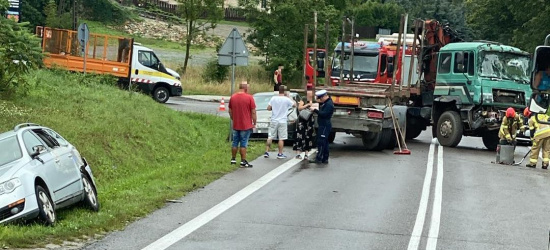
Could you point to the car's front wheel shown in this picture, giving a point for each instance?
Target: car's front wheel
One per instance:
(90, 198)
(46, 209)
(161, 94)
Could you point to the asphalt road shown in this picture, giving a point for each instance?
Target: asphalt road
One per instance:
(435, 198)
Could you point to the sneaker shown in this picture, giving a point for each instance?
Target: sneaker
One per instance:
(299, 157)
(281, 156)
(544, 166)
(266, 155)
(233, 162)
(245, 164)
(531, 165)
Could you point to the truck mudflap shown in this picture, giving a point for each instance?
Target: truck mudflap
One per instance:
(400, 113)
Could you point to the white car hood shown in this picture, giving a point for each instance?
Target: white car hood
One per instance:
(8, 170)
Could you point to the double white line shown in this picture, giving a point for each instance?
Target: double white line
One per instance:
(423, 207)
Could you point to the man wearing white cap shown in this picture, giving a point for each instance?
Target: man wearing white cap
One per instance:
(324, 114)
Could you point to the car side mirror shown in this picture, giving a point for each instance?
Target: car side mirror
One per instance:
(539, 103)
(36, 150)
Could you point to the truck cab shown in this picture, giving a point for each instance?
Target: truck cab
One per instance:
(475, 83)
(152, 76)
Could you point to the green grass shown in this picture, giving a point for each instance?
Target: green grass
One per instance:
(140, 151)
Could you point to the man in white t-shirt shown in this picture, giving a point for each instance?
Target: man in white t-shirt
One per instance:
(278, 128)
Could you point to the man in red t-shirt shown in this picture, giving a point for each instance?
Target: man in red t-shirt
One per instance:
(278, 77)
(242, 110)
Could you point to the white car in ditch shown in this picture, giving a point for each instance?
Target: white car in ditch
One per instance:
(41, 172)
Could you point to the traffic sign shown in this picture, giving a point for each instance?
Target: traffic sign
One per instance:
(83, 34)
(233, 51)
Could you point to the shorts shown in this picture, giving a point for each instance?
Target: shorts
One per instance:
(278, 130)
(241, 137)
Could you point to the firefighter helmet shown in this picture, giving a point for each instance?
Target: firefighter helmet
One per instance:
(526, 112)
(510, 113)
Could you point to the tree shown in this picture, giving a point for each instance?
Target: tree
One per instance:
(199, 16)
(278, 32)
(19, 52)
(378, 15)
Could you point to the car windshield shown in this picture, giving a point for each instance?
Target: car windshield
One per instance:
(505, 66)
(361, 63)
(9, 150)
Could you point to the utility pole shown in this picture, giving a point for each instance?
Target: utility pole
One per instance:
(327, 61)
(352, 37)
(342, 47)
(75, 21)
(304, 80)
(315, 48)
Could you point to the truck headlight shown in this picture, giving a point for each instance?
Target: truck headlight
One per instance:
(8, 186)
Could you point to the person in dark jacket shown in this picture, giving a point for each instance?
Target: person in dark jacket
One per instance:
(324, 114)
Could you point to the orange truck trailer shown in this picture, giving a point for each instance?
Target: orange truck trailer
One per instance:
(121, 57)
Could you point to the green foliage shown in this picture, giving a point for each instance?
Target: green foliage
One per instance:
(215, 72)
(378, 15)
(33, 12)
(519, 23)
(4, 4)
(105, 11)
(19, 52)
(192, 13)
(279, 33)
(54, 20)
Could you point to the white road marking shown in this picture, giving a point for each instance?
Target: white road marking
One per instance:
(422, 208)
(199, 221)
(436, 209)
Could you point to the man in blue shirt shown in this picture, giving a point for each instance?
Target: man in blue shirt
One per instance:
(324, 114)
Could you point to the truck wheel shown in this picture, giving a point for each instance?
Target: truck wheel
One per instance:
(449, 129)
(490, 140)
(393, 140)
(385, 139)
(370, 140)
(331, 137)
(161, 94)
(414, 128)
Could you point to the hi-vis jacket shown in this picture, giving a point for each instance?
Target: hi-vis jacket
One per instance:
(540, 130)
(509, 128)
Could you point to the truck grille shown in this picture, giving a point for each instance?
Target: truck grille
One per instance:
(508, 96)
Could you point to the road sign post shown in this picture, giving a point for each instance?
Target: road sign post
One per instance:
(83, 36)
(233, 52)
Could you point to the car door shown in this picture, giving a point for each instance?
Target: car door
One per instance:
(45, 166)
(68, 175)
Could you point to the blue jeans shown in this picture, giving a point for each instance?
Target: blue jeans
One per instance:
(241, 137)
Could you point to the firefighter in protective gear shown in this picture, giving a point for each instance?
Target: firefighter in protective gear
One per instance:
(511, 123)
(540, 135)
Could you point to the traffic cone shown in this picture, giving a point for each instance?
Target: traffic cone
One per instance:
(222, 105)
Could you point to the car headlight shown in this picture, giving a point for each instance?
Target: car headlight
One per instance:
(8, 186)
(262, 125)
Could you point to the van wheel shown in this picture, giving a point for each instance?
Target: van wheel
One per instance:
(46, 209)
(90, 198)
(449, 129)
(161, 94)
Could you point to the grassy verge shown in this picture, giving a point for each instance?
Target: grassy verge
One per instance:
(194, 84)
(141, 152)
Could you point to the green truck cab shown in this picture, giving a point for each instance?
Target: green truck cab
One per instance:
(476, 82)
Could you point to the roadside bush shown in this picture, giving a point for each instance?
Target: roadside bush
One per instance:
(215, 72)
(19, 53)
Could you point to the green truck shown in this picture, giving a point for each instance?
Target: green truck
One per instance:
(475, 83)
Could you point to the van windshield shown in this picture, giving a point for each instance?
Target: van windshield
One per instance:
(502, 65)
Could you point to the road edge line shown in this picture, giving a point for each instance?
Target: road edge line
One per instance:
(416, 235)
(210, 214)
(436, 209)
